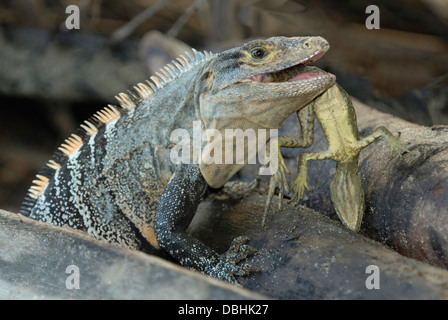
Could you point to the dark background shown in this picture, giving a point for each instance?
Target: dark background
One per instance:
(52, 79)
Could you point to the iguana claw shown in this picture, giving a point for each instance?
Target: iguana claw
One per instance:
(225, 267)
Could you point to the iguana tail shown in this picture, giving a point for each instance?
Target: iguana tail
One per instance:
(347, 194)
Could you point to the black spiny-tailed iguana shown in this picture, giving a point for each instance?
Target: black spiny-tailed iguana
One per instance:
(114, 178)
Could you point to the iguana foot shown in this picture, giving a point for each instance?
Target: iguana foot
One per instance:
(299, 186)
(224, 267)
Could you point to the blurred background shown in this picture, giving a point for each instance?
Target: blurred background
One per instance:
(51, 78)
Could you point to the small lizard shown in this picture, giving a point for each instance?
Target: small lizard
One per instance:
(114, 178)
(337, 117)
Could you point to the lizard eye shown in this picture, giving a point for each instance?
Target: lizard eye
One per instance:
(258, 53)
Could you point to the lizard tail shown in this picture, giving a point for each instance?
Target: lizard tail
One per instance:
(347, 194)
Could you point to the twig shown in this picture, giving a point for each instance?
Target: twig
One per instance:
(123, 32)
(183, 19)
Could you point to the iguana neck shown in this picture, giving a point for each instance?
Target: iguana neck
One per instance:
(175, 106)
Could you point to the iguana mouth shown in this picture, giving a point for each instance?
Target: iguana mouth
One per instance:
(290, 74)
(294, 73)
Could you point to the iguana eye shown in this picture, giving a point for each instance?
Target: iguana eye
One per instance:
(258, 53)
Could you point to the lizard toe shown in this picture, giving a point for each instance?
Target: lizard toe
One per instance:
(238, 250)
(226, 268)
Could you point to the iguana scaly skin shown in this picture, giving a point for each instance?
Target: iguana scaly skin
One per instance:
(337, 117)
(114, 177)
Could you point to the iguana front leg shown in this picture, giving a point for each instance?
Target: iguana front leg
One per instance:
(175, 211)
(306, 120)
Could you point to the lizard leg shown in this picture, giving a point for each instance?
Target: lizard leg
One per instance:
(300, 182)
(393, 141)
(306, 120)
(175, 211)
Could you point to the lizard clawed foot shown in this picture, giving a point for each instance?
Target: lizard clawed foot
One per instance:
(299, 186)
(279, 177)
(396, 145)
(225, 267)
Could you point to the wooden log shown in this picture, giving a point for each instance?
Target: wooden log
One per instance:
(301, 255)
(34, 258)
(305, 255)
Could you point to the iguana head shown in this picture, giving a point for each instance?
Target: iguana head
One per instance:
(263, 81)
(257, 86)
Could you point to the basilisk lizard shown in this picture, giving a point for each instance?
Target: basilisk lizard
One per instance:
(337, 117)
(114, 178)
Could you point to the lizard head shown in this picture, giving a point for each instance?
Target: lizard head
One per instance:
(257, 86)
(265, 81)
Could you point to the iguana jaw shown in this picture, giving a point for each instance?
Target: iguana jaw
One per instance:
(290, 74)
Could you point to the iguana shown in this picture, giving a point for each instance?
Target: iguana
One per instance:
(337, 117)
(114, 178)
